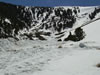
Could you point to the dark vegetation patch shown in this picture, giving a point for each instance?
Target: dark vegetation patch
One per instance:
(98, 65)
(79, 35)
(93, 14)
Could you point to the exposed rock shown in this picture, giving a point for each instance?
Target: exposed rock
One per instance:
(82, 45)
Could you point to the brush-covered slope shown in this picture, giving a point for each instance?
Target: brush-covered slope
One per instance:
(26, 22)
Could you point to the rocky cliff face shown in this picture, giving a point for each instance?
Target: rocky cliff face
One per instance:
(24, 22)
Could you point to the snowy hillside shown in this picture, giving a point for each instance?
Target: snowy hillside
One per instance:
(83, 57)
(24, 22)
(92, 32)
(26, 57)
(71, 46)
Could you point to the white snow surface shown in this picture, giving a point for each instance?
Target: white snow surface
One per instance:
(27, 57)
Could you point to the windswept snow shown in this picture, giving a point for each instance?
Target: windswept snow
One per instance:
(75, 63)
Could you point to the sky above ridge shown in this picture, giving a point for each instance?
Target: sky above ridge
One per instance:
(54, 2)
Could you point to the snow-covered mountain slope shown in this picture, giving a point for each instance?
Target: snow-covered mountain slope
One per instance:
(92, 31)
(24, 22)
(80, 61)
(27, 57)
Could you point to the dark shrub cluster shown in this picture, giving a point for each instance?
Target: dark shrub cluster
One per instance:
(79, 35)
(66, 16)
(13, 13)
(93, 14)
(27, 17)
